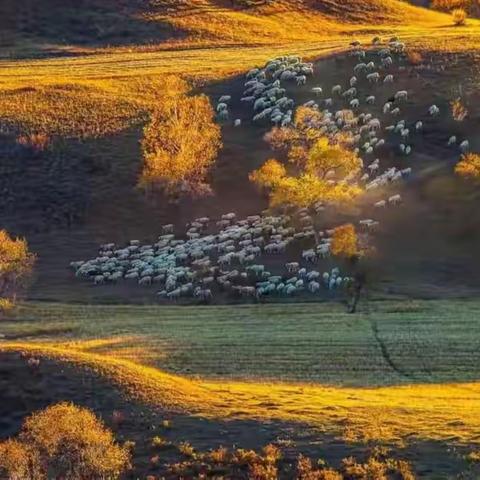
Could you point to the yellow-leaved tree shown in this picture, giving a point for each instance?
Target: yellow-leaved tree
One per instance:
(180, 143)
(321, 165)
(325, 157)
(469, 166)
(16, 265)
(63, 441)
(345, 241)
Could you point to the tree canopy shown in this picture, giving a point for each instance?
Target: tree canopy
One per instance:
(181, 142)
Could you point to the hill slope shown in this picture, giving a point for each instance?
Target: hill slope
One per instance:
(101, 23)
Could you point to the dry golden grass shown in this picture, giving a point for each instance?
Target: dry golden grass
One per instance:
(444, 412)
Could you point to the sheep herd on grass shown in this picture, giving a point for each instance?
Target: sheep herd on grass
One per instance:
(373, 74)
(223, 256)
(246, 257)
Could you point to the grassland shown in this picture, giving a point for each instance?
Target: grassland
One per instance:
(55, 95)
(402, 369)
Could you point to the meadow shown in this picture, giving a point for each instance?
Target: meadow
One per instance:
(402, 372)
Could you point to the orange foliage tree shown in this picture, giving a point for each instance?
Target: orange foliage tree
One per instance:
(180, 143)
(345, 241)
(63, 441)
(469, 166)
(16, 265)
(317, 160)
(298, 138)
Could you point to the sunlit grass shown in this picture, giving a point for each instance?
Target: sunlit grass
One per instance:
(108, 90)
(444, 412)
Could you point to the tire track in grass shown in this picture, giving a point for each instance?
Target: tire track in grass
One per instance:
(384, 350)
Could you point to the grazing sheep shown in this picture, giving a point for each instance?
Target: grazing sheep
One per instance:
(370, 99)
(388, 79)
(452, 140)
(237, 122)
(465, 146)
(224, 99)
(395, 199)
(292, 267)
(373, 77)
(317, 90)
(359, 68)
(433, 110)
(301, 80)
(355, 103)
(380, 204)
(401, 95)
(419, 126)
(337, 90)
(221, 107)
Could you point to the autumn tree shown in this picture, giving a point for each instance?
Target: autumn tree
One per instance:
(16, 265)
(63, 441)
(315, 159)
(180, 143)
(298, 138)
(325, 157)
(345, 241)
(469, 166)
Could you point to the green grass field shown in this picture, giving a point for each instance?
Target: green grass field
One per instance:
(395, 342)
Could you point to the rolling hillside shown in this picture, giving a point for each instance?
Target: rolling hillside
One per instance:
(55, 25)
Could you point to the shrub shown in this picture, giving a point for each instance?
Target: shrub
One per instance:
(180, 143)
(16, 265)
(64, 441)
(38, 142)
(159, 442)
(220, 455)
(186, 449)
(469, 166)
(459, 16)
(459, 111)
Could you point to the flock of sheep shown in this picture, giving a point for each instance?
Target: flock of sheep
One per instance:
(222, 256)
(226, 256)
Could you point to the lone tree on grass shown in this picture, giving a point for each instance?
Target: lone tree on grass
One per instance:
(346, 244)
(16, 265)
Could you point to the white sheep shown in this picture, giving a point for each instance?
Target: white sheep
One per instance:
(373, 77)
(465, 146)
(301, 80)
(224, 99)
(452, 140)
(401, 95)
(337, 90)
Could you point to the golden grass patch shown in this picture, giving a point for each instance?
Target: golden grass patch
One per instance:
(443, 412)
